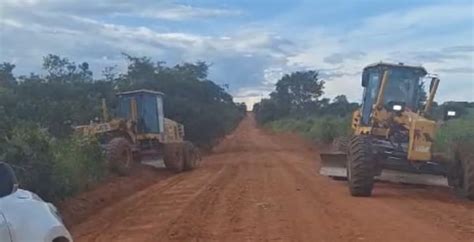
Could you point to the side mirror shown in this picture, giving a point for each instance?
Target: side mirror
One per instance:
(8, 181)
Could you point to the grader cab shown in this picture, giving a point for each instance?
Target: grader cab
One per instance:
(140, 129)
(393, 136)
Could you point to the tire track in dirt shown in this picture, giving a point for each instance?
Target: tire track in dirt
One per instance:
(197, 219)
(410, 211)
(140, 215)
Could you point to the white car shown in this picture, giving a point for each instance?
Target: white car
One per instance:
(24, 216)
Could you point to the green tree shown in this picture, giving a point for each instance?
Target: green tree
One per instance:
(7, 80)
(340, 106)
(61, 70)
(295, 94)
(299, 90)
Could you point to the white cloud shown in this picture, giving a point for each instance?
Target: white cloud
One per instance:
(400, 36)
(155, 9)
(272, 75)
(337, 58)
(186, 12)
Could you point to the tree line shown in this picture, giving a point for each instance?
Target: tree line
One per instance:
(299, 94)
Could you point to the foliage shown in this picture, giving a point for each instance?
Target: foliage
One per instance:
(78, 163)
(6, 76)
(298, 91)
(319, 129)
(455, 132)
(27, 149)
(53, 168)
(298, 95)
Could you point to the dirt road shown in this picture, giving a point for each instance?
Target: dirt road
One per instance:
(265, 187)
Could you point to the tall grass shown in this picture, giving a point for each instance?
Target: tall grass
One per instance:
(450, 135)
(319, 129)
(455, 133)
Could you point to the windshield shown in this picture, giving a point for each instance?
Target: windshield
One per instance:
(402, 87)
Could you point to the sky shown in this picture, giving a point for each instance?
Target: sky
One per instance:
(250, 44)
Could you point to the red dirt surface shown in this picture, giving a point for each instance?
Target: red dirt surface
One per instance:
(78, 208)
(258, 186)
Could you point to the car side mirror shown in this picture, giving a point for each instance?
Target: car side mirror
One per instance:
(8, 180)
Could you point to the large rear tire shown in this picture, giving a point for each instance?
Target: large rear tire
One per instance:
(174, 156)
(360, 166)
(119, 156)
(463, 180)
(191, 158)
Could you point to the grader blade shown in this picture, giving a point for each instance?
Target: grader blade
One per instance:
(412, 178)
(333, 164)
(154, 162)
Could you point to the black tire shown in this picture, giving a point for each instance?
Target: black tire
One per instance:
(174, 156)
(464, 176)
(341, 144)
(119, 156)
(360, 166)
(190, 156)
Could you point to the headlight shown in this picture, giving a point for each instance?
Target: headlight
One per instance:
(451, 113)
(397, 107)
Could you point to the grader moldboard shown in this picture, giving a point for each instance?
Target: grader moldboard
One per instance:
(139, 129)
(393, 137)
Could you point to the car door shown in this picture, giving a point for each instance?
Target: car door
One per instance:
(4, 231)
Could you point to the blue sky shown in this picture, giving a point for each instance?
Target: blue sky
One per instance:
(250, 44)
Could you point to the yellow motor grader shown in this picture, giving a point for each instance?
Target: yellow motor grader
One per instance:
(393, 136)
(139, 129)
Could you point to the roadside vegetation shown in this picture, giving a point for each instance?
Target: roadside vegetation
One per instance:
(319, 129)
(457, 133)
(38, 113)
(297, 105)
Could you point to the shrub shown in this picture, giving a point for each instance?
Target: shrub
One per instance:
(27, 149)
(453, 133)
(78, 163)
(320, 129)
(328, 128)
(52, 168)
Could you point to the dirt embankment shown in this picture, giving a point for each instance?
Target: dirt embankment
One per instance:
(265, 187)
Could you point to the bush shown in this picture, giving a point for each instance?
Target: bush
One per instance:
(328, 128)
(27, 148)
(78, 163)
(455, 132)
(320, 129)
(52, 168)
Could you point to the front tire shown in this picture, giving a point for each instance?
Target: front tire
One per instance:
(119, 156)
(174, 156)
(191, 158)
(360, 166)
